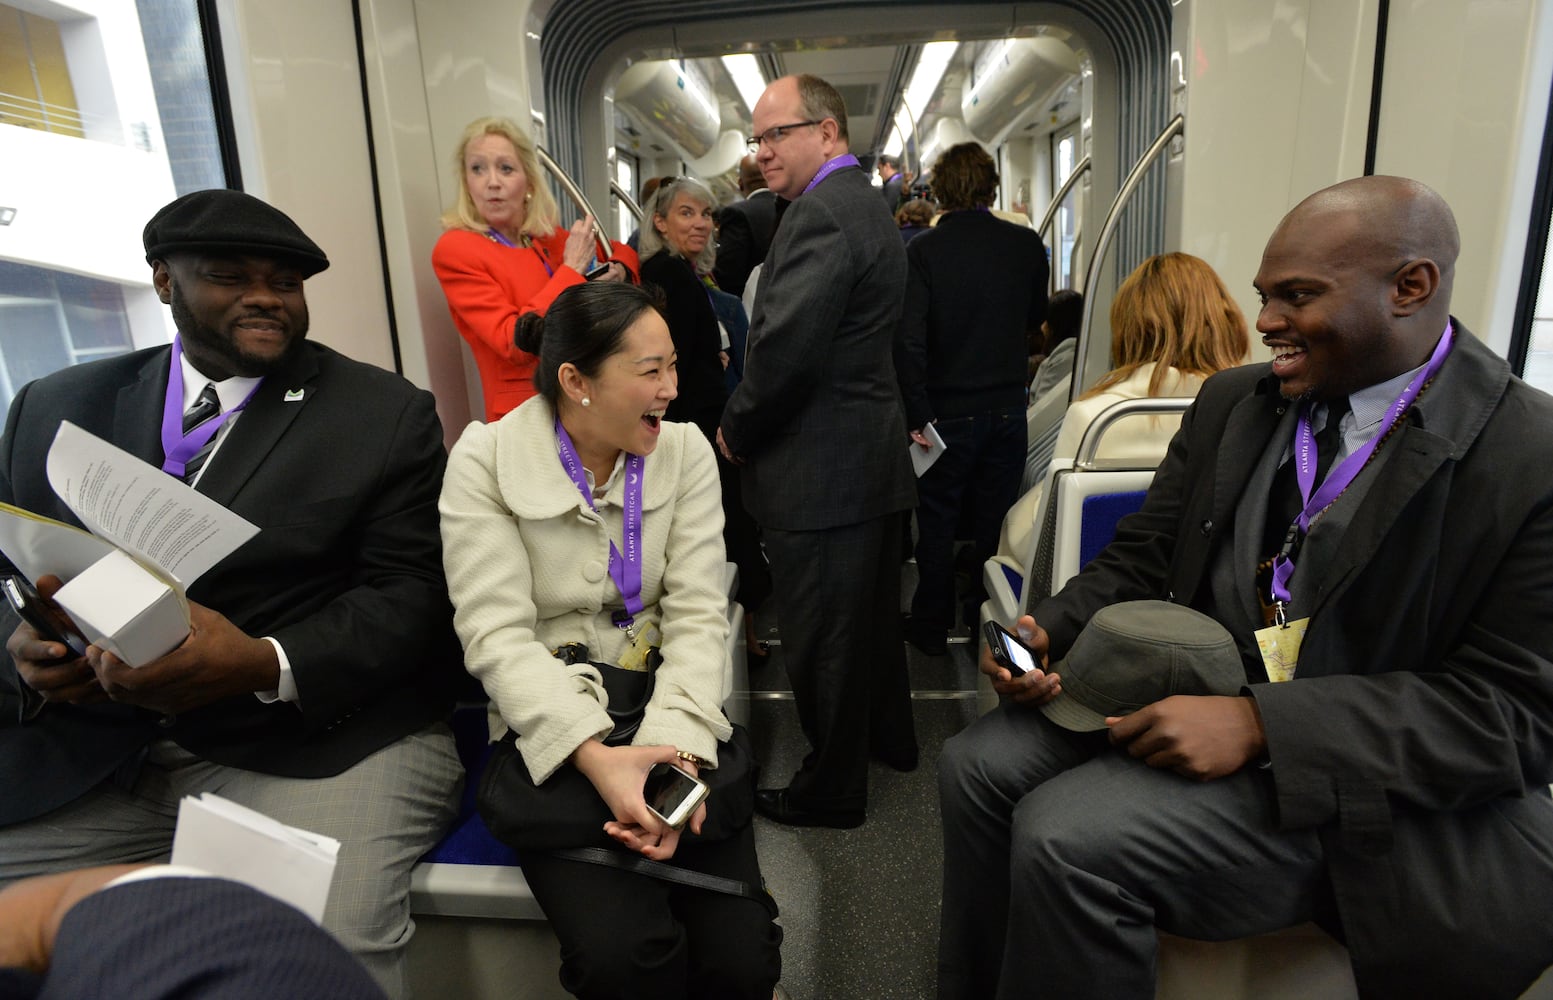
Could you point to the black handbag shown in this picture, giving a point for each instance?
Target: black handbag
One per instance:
(567, 812)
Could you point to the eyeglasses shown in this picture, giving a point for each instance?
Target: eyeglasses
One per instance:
(776, 134)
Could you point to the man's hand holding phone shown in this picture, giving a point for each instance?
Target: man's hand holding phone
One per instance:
(41, 645)
(1015, 661)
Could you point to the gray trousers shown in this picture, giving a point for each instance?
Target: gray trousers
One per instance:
(1062, 856)
(386, 811)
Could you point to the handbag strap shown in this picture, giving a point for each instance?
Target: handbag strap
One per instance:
(668, 873)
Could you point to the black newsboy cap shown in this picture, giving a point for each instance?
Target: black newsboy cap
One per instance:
(230, 222)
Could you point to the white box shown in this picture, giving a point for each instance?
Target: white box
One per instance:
(126, 609)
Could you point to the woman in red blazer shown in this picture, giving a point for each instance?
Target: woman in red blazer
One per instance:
(505, 254)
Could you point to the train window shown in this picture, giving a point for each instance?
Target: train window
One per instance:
(625, 176)
(107, 112)
(1065, 225)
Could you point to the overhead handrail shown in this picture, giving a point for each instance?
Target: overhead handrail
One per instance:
(625, 199)
(1079, 169)
(1120, 410)
(571, 188)
(1176, 127)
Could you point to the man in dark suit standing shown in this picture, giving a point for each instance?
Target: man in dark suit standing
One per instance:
(314, 681)
(819, 424)
(976, 290)
(744, 229)
(890, 173)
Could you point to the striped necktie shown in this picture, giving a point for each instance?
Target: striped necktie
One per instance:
(207, 406)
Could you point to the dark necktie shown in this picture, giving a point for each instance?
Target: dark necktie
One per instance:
(1285, 502)
(207, 406)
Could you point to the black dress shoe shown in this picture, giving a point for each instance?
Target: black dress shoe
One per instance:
(772, 803)
(926, 638)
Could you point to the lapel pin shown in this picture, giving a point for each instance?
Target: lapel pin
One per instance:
(295, 395)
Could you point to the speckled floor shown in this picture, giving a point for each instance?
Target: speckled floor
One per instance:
(860, 907)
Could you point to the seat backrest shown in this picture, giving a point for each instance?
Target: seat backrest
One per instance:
(1083, 503)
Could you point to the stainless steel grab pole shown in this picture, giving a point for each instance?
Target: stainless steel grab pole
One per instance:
(572, 189)
(1079, 169)
(1092, 276)
(625, 199)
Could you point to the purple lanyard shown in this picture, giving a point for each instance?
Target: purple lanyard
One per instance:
(504, 241)
(1340, 478)
(176, 445)
(830, 167)
(625, 570)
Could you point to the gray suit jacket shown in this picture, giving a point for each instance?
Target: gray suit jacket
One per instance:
(818, 417)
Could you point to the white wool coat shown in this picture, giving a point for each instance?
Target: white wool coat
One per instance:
(527, 568)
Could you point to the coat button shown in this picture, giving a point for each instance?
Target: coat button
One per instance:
(593, 572)
(167, 721)
(1206, 528)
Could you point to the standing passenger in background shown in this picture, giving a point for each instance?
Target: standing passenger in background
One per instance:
(745, 229)
(890, 172)
(677, 251)
(915, 218)
(818, 421)
(504, 254)
(975, 290)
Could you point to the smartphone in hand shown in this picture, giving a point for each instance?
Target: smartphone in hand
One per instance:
(32, 609)
(1009, 651)
(673, 794)
(597, 272)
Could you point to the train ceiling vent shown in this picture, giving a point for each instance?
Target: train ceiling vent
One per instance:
(1014, 78)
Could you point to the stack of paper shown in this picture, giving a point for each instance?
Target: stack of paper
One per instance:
(235, 842)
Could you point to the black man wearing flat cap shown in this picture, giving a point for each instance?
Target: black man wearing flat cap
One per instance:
(316, 678)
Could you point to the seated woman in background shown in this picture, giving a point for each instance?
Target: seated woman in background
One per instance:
(677, 254)
(530, 508)
(504, 254)
(1173, 323)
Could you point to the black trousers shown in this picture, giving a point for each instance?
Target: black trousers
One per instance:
(628, 935)
(839, 599)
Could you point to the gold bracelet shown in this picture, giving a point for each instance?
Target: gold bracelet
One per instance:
(687, 755)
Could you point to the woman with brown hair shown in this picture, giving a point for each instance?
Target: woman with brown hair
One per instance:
(1173, 323)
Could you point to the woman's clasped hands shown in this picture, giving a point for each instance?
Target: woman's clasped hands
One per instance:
(618, 774)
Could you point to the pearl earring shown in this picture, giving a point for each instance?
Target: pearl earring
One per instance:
(586, 401)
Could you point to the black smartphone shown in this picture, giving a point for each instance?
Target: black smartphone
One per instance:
(32, 609)
(597, 272)
(673, 794)
(1009, 652)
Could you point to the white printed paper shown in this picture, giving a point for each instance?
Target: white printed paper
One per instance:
(159, 519)
(922, 459)
(235, 842)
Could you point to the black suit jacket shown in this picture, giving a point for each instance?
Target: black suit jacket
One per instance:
(744, 231)
(818, 416)
(1417, 737)
(693, 324)
(976, 286)
(340, 465)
